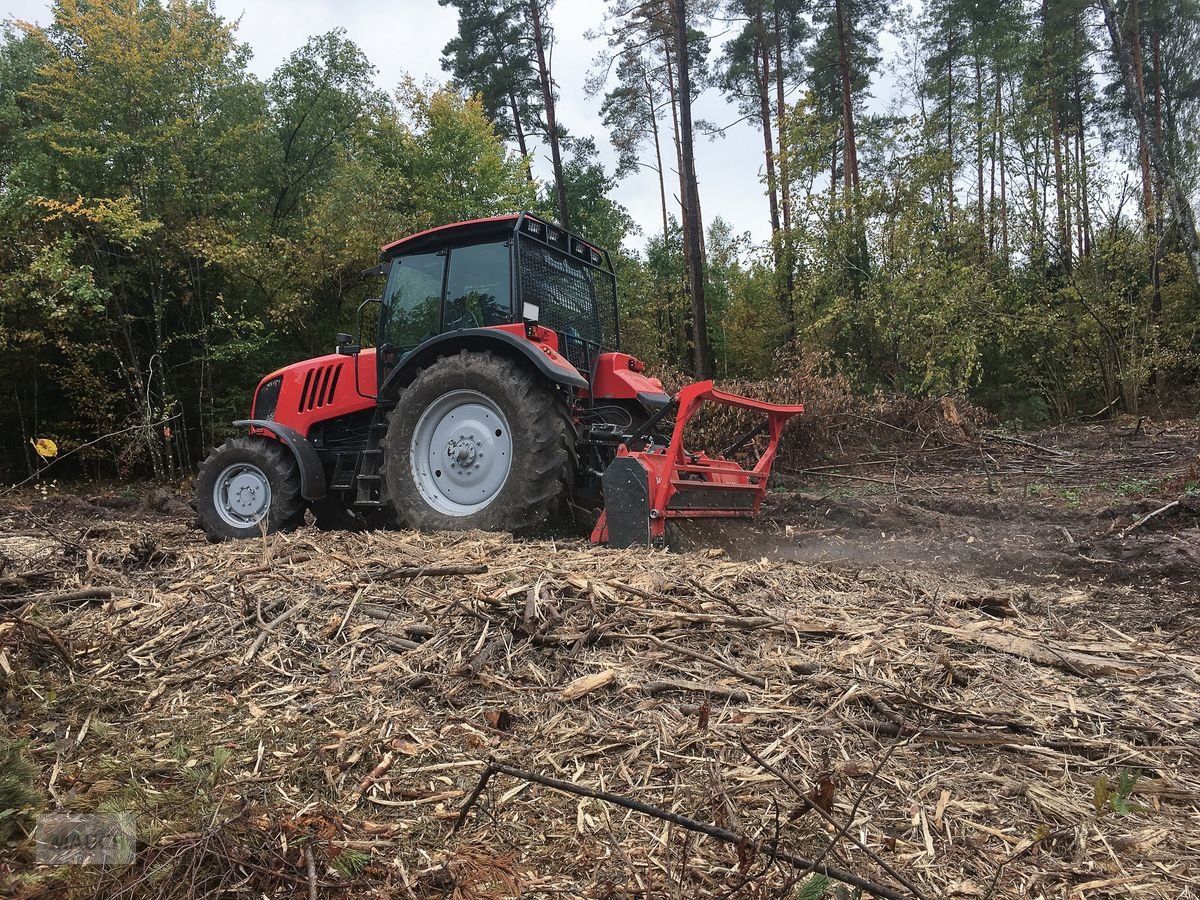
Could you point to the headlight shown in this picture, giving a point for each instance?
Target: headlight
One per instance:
(267, 399)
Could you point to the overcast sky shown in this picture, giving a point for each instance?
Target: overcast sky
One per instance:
(408, 36)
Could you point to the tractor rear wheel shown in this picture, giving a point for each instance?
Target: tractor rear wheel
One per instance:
(246, 483)
(478, 441)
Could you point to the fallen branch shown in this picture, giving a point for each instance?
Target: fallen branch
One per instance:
(844, 831)
(66, 654)
(713, 690)
(19, 580)
(65, 597)
(417, 571)
(1146, 518)
(1013, 440)
(702, 657)
(268, 627)
(586, 684)
(310, 865)
(378, 772)
(713, 831)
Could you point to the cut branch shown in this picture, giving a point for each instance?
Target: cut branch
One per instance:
(713, 831)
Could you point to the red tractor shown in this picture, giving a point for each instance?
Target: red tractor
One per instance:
(496, 391)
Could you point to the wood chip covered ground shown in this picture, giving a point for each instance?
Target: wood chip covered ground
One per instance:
(306, 715)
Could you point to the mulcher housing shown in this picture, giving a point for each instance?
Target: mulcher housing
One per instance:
(540, 305)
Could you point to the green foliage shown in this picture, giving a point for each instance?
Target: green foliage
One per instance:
(351, 863)
(452, 160)
(1135, 487)
(492, 57)
(1116, 798)
(19, 793)
(175, 226)
(162, 252)
(814, 888)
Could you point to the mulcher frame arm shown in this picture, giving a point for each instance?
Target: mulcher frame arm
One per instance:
(644, 488)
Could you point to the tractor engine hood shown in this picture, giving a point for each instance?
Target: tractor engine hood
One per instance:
(317, 389)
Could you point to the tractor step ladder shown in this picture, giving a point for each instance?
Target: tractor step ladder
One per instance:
(368, 483)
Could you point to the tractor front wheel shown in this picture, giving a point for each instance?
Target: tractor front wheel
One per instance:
(245, 484)
(478, 441)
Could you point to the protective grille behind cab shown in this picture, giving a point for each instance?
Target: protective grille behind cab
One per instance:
(577, 301)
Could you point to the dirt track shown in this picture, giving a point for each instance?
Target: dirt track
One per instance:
(996, 631)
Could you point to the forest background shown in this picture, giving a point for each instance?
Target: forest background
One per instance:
(1016, 228)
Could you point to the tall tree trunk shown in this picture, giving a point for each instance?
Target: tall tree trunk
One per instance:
(658, 160)
(1003, 175)
(785, 187)
(762, 81)
(979, 122)
(950, 131)
(1143, 149)
(693, 228)
(1064, 238)
(547, 80)
(1156, 302)
(1085, 213)
(673, 90)
(685, 356)
(1177, 199)
(850, 144)
(1038, 200)
(991, 204)
(518, 125)
(673, 95)
(833, 173)
(666, 221)
(520, 129)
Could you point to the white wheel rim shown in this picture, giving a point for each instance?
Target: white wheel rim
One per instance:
(242, 495)
(461, 453)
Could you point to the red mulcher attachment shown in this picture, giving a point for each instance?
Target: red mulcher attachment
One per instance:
(644, 488)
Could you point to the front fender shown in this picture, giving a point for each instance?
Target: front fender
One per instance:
(543, 357)
(312, 473)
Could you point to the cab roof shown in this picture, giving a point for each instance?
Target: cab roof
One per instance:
(444, 235)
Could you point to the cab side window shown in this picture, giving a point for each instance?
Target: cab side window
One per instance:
(479, 287)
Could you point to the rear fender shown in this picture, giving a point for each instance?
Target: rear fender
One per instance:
(504, 339)
(312, 473)
(620, 376)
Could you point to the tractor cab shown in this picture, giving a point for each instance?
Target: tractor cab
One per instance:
(490, 273)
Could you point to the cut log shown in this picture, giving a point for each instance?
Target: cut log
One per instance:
(1071, 661)
(587, 684)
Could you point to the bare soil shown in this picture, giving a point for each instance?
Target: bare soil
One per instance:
(982, 659)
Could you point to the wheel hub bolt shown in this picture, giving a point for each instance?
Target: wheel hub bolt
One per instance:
(462, 452)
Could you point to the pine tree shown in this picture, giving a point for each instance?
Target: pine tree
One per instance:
(492, 55)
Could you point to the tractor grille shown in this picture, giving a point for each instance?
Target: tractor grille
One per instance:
(576, 300)
(320, 387)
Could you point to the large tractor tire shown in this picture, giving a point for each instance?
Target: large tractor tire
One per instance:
(245, 484)
(478, 441)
